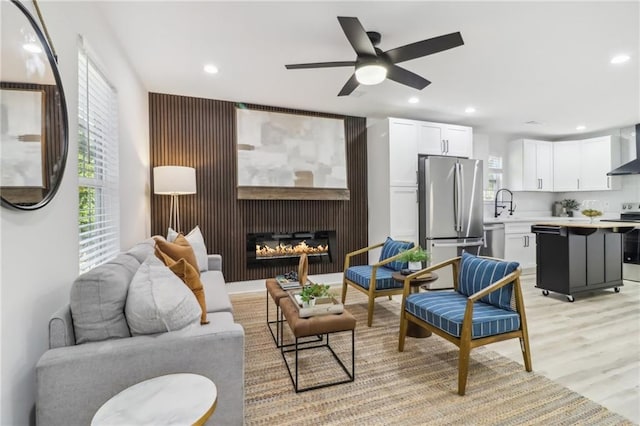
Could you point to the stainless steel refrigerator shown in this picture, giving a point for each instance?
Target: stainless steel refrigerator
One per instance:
(450, 210)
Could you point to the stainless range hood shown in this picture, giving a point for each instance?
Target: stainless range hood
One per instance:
(633, 166)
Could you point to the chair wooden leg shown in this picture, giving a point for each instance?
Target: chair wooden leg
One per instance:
(344, 291)
(390, 297)
(404, 323)
(463, 366)
(370, 310)
(526, 352)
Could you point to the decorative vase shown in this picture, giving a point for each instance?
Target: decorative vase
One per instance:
(415, 266)
(310, 303)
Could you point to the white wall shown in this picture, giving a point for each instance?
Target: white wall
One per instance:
(39, 250)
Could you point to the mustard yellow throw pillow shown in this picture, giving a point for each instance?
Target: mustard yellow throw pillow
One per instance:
(179, 249)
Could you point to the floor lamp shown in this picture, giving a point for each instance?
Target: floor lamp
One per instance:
(174, 181)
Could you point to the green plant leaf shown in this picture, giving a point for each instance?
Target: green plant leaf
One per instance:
(417, 255)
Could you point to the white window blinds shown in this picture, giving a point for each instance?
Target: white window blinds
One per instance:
(98, 196)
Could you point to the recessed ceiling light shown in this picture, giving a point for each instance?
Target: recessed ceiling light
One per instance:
(32, 48)
(413, 100)
(581, 127)
(211, 69)
(620, 59)
(469, 110)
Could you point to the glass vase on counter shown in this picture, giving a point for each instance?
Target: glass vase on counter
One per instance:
(592, 209)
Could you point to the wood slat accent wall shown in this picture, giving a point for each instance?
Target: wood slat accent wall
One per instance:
(201, 133)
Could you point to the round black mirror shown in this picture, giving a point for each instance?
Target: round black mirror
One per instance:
(33, 113)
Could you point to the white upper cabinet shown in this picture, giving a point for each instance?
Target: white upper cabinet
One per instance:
(566, 165)
(458, 141)
(445, 139)
(430, 139)
(403, 153)
(530, 165)
(583, 165)
(595, 156)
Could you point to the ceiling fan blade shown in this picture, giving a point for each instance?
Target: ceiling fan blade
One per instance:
(349, 86)
(403, 76)
(357, 36)
(321, 65)
(425, 47)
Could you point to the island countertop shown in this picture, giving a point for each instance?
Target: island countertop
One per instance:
(594, 225)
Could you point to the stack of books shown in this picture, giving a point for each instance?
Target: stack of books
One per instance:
(287, 284)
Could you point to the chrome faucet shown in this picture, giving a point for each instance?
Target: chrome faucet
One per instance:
(512, 208)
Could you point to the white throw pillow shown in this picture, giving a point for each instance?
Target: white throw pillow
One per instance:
(158, 301)
(196, 240)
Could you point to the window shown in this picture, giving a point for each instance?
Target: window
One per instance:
(98, 197)
(494, 177)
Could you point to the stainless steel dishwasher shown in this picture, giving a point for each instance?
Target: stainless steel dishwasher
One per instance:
(493, 240)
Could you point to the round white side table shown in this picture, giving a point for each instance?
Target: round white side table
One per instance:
(174, 399)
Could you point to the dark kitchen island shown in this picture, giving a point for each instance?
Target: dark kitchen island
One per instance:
(574, 257)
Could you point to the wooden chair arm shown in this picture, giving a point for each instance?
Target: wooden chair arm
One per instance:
(468, 312)
(347, 258)
(508, 279)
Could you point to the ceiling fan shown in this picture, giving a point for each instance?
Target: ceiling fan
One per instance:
(372, 65)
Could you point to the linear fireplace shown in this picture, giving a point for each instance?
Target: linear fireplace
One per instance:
(285, 248)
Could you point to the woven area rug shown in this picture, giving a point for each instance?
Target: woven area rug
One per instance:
(415, 387)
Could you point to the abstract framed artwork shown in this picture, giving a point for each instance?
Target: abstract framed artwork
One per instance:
(22, 138)
(290, 156)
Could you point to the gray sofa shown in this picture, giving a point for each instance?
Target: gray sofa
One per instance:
(74, 380)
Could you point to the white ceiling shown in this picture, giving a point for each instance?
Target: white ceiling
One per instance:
(522, 61)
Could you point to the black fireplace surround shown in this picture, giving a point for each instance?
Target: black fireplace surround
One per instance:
(285, 248)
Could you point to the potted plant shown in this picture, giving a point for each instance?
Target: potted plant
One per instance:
(415, 258)
(570, 205)
(311, 292)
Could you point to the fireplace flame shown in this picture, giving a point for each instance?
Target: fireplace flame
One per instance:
(289, 250)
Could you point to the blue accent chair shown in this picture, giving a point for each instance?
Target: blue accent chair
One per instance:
(380, 273)
(485, 306)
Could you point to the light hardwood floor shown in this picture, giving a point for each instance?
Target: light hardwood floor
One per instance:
(591, 346)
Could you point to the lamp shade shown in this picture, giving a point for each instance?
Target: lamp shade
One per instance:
(174, 180)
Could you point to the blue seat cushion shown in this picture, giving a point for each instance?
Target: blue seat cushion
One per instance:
(477, 273)
(392, 247)
(361, 275)
(445, 310)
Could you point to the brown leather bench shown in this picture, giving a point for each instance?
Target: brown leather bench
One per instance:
(321, 326)
(275, 292)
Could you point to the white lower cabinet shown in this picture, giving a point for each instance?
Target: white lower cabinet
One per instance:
(403, 221)
(520, 244)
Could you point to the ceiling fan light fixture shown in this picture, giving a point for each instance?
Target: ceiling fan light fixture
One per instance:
(370, 74)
